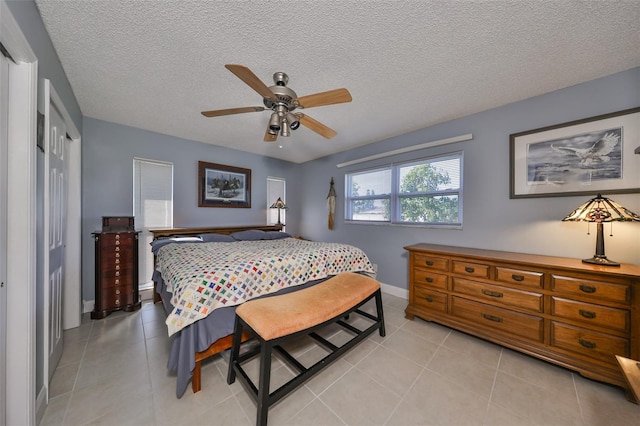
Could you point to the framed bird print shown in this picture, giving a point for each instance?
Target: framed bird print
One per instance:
(589, 156)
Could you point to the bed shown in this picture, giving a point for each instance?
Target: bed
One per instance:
(202, 274)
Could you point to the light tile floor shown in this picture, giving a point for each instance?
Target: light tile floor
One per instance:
(113, 372)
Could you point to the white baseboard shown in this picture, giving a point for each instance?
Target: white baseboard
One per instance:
(394, 291)
(41, 404)
(88, 305)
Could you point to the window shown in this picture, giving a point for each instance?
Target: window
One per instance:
(422, 192)
(275, 188)
(152, 208)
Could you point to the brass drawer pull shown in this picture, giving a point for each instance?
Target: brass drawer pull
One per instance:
(587, 314)
(492, 318)
(429, 299)
(469, 269)
(429, 279)
(587, 344)
(517, 277)
(491, 293)
(587, 288)
(429, 262)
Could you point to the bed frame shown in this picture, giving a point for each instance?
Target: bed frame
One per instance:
(226, 342)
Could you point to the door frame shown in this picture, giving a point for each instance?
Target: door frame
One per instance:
(21, 220)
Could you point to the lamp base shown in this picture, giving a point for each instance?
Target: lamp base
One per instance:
(600, 260)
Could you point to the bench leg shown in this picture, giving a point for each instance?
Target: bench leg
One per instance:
(263, 385)
(380, 314)
(235, 350)
(196, 383)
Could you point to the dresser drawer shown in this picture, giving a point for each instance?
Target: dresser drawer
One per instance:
(519, 277)
(471, 269)
(598, 289)
(587, 342)
(116, 298)
(427, 278)
(588, 313)
(521, 325)
(430, 299)
(431, 262)
(502, 295)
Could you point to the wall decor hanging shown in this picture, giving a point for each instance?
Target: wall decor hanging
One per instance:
(223, 186)
(331, 204)
(584, 156)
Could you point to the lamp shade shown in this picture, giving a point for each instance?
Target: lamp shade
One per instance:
(601, 209)
(279, 204)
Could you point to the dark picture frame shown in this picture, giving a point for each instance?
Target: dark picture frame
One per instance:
(223, 186)
(589, 156)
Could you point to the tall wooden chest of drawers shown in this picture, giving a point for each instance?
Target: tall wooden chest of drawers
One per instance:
(116, 272)
(570, 313)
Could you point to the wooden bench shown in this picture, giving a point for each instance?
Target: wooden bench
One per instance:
(278, 319)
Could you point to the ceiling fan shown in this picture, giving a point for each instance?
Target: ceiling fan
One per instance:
(283, 101)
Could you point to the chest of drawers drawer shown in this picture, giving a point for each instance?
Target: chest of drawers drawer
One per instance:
(114, 298)
(431, 262)
(470, 269)
(588, 288)
(503, 320)
(591, 343)
(430, 299)
(519, 277)
(502, 295)
(590, 314)
(427, 278)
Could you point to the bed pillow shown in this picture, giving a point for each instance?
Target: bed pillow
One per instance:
(277, 235)
(156, 244)
(217, 238)
(250, 235)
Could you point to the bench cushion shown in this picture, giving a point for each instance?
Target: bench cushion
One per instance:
(279, 316)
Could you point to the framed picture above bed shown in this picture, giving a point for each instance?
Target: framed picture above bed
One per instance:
(588, 156)
(223, 186)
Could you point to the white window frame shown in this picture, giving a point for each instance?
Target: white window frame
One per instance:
(394, 197)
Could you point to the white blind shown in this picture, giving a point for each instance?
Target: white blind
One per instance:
(153, 207)
(275, 189)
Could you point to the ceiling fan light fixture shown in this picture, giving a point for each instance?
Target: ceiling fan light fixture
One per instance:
(274, 123)
(285, 129)
(293, 121)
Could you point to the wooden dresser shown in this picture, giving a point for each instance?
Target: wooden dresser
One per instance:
(116, 271)
(561, 310)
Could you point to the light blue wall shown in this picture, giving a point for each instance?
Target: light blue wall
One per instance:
(491, 219)
(108, 151)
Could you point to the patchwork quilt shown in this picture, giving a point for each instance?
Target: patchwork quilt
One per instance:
(205, 276)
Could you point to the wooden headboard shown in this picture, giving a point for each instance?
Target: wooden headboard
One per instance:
(226, 230)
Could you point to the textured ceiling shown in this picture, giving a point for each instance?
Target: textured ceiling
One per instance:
(408, 64)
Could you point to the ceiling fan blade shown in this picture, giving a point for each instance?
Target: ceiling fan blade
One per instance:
(331, 97)
(268, 137)
(316, 126)
(230, 111)
(246, 75)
